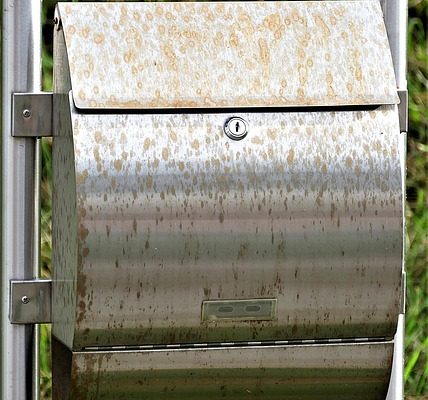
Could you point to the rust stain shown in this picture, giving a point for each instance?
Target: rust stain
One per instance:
(264, 51)
(165, 153)
(81, 178)
(99, 38)
(147, 143)
(118, 165)
(195, 144)
(290, 157)
(324, 27)
(255, 33)
(83, 232)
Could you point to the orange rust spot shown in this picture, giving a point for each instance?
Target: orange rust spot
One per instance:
(256, 140)
(71, 30)
(85, 32)
(349, 161)
(82, 95)
(147, 143)
(173, 136)
(82, 311)
(81, 178)
(98, 38)
(329, 80)
(264, 51)
(233, 40)
(290, 157)
(272, 134)
(358, 73)
(96, 154)
(272, 22)
(118, 165)
(320, 22)
(149, 182)
(165, 153)
(161, 29)
(195, 144)
(83, 232)
(129, 56)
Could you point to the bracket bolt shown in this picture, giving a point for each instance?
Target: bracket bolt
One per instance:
(25, 299)
(26, 113)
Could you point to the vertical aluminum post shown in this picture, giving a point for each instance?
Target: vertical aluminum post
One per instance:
(21, 72)
(396, 15)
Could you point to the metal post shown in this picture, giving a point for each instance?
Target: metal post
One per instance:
(21, 72)
(395, 14)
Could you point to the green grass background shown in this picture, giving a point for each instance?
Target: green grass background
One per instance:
(416, 342)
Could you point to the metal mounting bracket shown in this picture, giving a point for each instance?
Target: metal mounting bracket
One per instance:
(32, 114)
(403, 110)
(30, 301)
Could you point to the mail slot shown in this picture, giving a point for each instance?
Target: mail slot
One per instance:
(228, 202)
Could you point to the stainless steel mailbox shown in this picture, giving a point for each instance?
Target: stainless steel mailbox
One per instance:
(190, 264)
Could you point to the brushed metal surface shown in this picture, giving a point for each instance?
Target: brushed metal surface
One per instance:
(37, 121)
(30, 301)
(171, 212)
(20, 72)
(357, 372)
(155, 214)
(228, 54)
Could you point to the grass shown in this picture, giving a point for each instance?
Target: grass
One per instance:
(416, 341)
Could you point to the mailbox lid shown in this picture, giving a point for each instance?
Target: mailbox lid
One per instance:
(228, 54)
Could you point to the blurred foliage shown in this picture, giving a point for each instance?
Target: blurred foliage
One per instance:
(416, 342)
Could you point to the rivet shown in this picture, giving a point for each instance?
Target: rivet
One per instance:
(26, 113)
(25, 299)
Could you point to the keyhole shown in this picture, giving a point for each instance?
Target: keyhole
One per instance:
(236, 128)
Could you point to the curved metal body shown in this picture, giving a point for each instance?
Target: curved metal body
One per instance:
(171, 213)
(272, 372)
(169, 234)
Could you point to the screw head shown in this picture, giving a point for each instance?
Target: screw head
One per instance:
(26, 113)
(25, 299)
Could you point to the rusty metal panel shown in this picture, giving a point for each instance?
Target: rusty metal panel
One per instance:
(306, 209)
(231, 54)
(299, 372)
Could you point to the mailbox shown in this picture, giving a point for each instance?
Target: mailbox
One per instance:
(228, 201)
